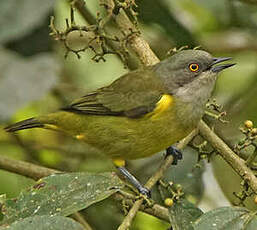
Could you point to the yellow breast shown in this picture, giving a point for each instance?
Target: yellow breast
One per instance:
(162, 105)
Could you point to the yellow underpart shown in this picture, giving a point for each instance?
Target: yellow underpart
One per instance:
(80, 136)
(52, 127)
(161, 106)
(118, 162)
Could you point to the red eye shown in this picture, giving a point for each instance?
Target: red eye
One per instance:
(194, 67)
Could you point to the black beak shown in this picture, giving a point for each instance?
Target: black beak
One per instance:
(219, 68)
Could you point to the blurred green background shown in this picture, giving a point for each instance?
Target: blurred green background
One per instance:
(35, 79)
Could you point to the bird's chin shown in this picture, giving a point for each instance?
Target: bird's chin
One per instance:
(209, 74)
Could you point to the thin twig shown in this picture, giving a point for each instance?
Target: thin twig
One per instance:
(24, 168)
(229, 156)
(91, 20)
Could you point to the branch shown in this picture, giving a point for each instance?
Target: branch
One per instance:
(229, 156)
(26, 169)
(136, 42)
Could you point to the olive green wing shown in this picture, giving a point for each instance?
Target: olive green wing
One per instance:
(132, 95)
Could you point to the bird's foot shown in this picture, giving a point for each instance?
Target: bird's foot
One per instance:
(145, 194)
(176, 153)
(140, 190)
(144, 191)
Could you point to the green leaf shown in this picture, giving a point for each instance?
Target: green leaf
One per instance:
(61, 194)
(19, 17)
(182, 214)
(24, 80)
(44, 223)
(227, 218)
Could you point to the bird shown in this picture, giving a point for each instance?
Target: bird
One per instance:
(143, 112)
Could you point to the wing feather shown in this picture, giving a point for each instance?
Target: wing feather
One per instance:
(133, 95)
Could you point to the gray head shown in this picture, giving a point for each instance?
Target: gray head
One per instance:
(188, 66)
(190, 76)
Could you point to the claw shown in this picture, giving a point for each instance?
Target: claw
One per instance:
(176, 153)
(146, 198)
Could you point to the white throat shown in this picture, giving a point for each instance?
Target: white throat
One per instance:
(192, 98)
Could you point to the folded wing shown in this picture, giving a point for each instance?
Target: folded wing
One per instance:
(133, 95)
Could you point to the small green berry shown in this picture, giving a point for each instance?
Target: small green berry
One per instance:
(248, 124)
(168, 202)
(254, 131)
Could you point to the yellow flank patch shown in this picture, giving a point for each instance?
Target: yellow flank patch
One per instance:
(50, 126)
(80, 136)
(118, 162)
(162, 105)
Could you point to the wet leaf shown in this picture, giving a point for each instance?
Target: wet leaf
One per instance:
(24, 80)
(227, 218)
(183, 214)
(44, 223)
(61, 194)
(19, 17)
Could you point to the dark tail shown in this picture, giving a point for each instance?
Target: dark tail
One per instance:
(25, 124)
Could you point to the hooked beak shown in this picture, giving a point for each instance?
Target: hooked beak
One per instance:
(219, 68)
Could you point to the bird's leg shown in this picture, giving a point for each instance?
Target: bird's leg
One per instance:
(135, 182)
(120, 164)
(176, 153)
